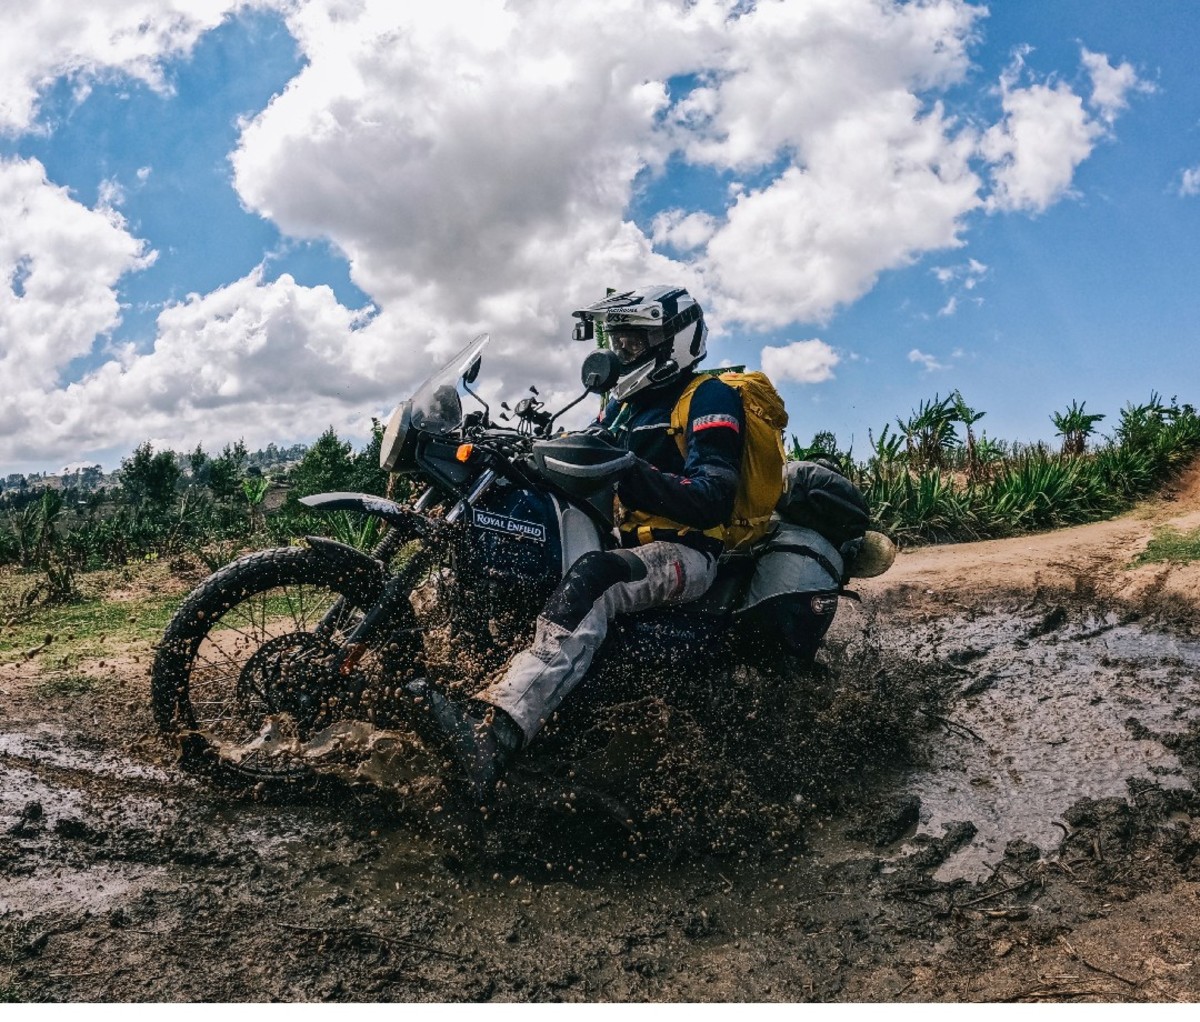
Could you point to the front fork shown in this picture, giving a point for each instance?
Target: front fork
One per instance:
(390, 604)
(397, 588)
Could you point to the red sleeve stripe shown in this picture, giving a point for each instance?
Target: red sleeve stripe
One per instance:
(715, 422)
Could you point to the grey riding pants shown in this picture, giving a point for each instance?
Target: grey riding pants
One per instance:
(574, 622)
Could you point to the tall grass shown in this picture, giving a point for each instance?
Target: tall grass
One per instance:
(975, 488)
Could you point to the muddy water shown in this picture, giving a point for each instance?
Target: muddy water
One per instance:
(1046, 710)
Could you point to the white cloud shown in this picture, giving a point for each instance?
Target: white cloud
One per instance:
(929, 362)
(802, 361)
(877, 176)
(263, 360)
(683, 231)
(477, 163)
(1189, 183)
(60, 263)
(1034, 150)
(1046, 132)
(1111, 85)
(950, 308)
(44, 40)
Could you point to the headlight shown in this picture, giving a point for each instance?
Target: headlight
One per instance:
(394, 436)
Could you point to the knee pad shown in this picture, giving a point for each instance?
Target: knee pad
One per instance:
(586, 581)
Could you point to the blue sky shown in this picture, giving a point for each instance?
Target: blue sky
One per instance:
(226, 220)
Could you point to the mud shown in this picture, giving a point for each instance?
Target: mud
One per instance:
(990, 799)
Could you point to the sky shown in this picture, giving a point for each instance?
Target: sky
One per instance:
(253, 220)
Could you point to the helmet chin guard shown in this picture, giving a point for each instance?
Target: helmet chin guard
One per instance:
(674, 326)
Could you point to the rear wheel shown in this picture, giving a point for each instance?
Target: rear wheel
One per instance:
(254, 661)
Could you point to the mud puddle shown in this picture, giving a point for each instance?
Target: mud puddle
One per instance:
(1045, 709)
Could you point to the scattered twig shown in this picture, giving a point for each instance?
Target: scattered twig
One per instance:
(351, 931)
(1095, 968)
(953, 725)
(1047, 993)
(996, 894)
(1105, 972)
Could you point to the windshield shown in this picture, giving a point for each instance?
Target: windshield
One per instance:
(435, 407)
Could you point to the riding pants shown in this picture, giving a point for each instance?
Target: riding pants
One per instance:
(574, 622)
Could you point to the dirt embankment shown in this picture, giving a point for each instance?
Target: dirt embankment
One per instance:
(1085, 563)
(998, 853)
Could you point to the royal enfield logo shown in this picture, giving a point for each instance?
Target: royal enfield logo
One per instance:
(509, 526)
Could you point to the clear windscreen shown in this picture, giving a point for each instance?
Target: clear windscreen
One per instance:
(435, 406)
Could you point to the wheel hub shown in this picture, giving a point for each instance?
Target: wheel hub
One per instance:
(294, 674)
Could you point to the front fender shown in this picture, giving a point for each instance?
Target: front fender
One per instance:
(364, 575)
(408, 523)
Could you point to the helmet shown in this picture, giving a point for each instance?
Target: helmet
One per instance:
(658, 332)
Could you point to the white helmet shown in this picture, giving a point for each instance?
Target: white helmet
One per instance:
(658, 332)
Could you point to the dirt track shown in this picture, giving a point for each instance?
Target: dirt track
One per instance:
(1000, 855)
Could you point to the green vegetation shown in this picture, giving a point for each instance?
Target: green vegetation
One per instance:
(210, 507)
(66, 684)
(1171, 545)
(88, 628)
(930, 477)
(934, 480)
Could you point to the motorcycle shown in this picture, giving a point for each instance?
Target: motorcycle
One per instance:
(281, 645)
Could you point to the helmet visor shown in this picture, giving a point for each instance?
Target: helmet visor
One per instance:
(632, 345)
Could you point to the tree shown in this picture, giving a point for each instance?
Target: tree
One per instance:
(929, 433)
(225, 471)
(968, 417)
(198, 462)
(148, 480)
(1075, 426)
(327, 467)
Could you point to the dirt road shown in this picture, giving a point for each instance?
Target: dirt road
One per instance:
(1006, 809)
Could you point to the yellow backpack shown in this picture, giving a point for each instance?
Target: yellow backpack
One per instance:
(761, 483)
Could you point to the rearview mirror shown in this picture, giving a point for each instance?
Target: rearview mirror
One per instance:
(601, 370)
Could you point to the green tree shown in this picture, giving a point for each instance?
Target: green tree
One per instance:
(226, 470)
(148, 480)
(968, 417)
(327, 467)
(1075, 426)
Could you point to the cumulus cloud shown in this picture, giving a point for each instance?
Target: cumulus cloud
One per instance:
(802, 361)
(1111, 85)
(876, 176)
(683, 231)
(1189, 183)
(44, 40)
(477, 163)
(928, 362)
(273, 357)
(1046, 132)
(59, 263)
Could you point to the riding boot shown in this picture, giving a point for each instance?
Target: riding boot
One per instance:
(483, 739)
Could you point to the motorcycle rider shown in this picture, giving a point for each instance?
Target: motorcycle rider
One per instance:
(671, 536)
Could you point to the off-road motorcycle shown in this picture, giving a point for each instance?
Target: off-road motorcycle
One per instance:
(280, 645)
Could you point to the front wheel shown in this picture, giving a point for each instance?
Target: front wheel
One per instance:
(253, 663)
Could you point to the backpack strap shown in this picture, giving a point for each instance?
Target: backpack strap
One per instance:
(807, 551)
(681, 414)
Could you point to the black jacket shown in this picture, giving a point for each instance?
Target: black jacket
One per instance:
(697, 491)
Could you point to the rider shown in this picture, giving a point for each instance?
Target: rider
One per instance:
(671, 536)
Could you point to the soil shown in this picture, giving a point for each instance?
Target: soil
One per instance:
(986, 791)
